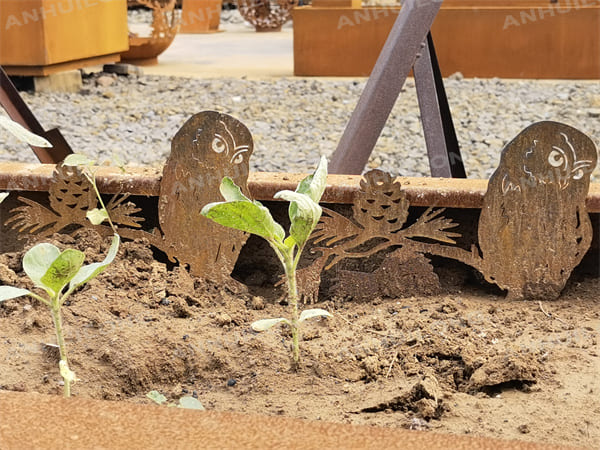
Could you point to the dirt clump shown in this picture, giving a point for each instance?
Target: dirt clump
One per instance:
(463, 360)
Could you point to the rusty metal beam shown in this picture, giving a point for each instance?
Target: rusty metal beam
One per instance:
(440, 136)
(442, 192)
(18, 111)
(401, 49)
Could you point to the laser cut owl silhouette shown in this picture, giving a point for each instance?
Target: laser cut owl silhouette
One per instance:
(209, 146)
(534, 228)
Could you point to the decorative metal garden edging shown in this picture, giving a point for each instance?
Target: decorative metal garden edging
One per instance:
(533, 230)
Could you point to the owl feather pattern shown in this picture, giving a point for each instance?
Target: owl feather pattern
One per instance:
(534, 228)
(207, 148)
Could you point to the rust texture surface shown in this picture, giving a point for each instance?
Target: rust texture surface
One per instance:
(207, 148)
(447, 193)
(87, 423)
(534, 226)
(266, 15)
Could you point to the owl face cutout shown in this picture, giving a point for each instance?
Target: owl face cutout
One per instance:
(224, 143)
(547, 153)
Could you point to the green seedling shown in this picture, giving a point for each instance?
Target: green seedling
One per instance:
(243, 214)
(187, 402)
(58, 274)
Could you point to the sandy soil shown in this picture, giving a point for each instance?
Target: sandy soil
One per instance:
(464, 361)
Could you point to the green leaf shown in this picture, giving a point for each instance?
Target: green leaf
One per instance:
(190, 403)
(304, 216)
(96, 216)
(231, 191)
(310, 313)
(23, 134)
(156, 397)
(3, 196)
(251, 217)
(63, 269)
(77, 159)
(86, 273)
(314, 185)
(265, 324)
(38, 260)
(8, 292)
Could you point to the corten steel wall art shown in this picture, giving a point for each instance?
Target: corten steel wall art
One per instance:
(533, 228)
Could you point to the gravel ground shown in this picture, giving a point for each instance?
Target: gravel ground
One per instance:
(293, 121)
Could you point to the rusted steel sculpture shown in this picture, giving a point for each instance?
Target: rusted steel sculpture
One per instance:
(533, 229)
(266, 15)
(165, 24)
(378, 224)
(208, 147)
(70, 197)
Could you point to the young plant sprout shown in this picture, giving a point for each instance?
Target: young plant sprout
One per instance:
(187, 402)
(243, 214)
(58, 274)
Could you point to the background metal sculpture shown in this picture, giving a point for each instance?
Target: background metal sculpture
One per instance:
(266, 15)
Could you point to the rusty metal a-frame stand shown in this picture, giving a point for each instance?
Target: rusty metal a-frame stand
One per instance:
(409, 45)
(18, 111)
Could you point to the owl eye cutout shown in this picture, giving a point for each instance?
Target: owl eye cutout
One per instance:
(218, 144)
(556, 158)
(578, 174)
(238, 157)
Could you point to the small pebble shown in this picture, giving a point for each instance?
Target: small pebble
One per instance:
(231, 382)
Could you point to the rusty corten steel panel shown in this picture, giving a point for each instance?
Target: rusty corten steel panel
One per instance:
(533, 230)
(443, 192)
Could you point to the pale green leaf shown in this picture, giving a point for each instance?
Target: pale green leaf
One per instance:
(310, 313)
(3, 196)
(38, 260)
(77, 159)
(265, 324)
(314, 185)
(89, 271)
(23, 134)
(8, 292)
(156, 397)
(62, 270)
(67, 374)
(304, 217)
(231, 192)
(96, 216)
(251, 217)
(190, 403)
